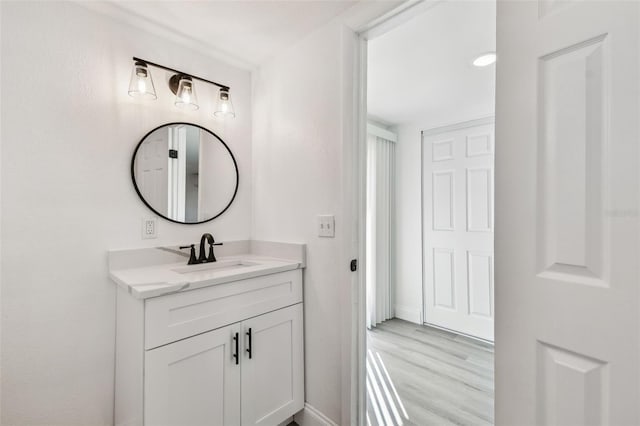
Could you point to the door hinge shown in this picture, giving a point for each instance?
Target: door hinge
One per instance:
(354, 265)
(173, 153)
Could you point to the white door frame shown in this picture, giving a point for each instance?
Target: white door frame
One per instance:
(374, 28)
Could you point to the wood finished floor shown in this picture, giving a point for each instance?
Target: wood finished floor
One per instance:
(419, 375)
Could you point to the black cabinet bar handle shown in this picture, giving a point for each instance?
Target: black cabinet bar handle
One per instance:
(249, 348)
(235, 355)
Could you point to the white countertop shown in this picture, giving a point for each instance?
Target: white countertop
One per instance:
(160, 279)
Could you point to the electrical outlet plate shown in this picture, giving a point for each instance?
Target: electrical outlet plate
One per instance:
(149, 228)
(326, 226)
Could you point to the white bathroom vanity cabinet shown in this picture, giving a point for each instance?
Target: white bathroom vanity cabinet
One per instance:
(210, 344)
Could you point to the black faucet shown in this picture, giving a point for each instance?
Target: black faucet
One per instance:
(202, 258)
(212, 257)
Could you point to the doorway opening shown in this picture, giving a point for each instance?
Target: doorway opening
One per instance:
(429, 216)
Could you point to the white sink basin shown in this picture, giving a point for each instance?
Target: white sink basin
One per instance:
(223, 265)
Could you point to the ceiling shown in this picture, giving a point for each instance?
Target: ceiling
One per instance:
(249, 31)
(421, 72)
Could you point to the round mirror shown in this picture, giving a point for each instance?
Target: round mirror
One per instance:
(184, 173)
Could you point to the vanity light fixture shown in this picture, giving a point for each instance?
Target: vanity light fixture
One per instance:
(186, 93)
(141, 84)
(485, 59)
(224, 106)
(181, 84)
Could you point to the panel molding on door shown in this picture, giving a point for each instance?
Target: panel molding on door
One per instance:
(584, 380)
(479, 200)
(444, 278)
(572, 241)
(442, 150)
(480, 282)
(443, 192)
(479, 144)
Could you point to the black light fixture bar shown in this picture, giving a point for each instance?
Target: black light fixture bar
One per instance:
(222, 86)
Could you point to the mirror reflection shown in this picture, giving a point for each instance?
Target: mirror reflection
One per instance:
(184, 173)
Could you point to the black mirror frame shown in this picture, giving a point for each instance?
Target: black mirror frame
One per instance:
(135, 185)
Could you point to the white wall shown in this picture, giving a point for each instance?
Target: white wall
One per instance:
(298, 174)
(303, 152)
(68, 131)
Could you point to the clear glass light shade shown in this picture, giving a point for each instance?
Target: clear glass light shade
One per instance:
(224, 108)
(141, 84)
(186, 95)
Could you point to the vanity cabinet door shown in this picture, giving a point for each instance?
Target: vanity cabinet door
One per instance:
(272, 367)
(195, 381)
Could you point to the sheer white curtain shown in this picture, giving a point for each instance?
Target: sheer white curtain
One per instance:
(380, 229)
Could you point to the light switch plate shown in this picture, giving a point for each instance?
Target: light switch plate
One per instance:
(326, 226)
(149, 228)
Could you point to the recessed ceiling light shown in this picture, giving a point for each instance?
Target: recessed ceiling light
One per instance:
(485, 59)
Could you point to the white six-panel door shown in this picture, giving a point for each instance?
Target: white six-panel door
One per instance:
(567, 162)
(457, 172)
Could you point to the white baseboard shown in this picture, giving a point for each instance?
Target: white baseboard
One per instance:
(408, 313)
(309, 416)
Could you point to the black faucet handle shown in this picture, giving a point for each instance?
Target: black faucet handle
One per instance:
(192, 257)
(212, 256)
